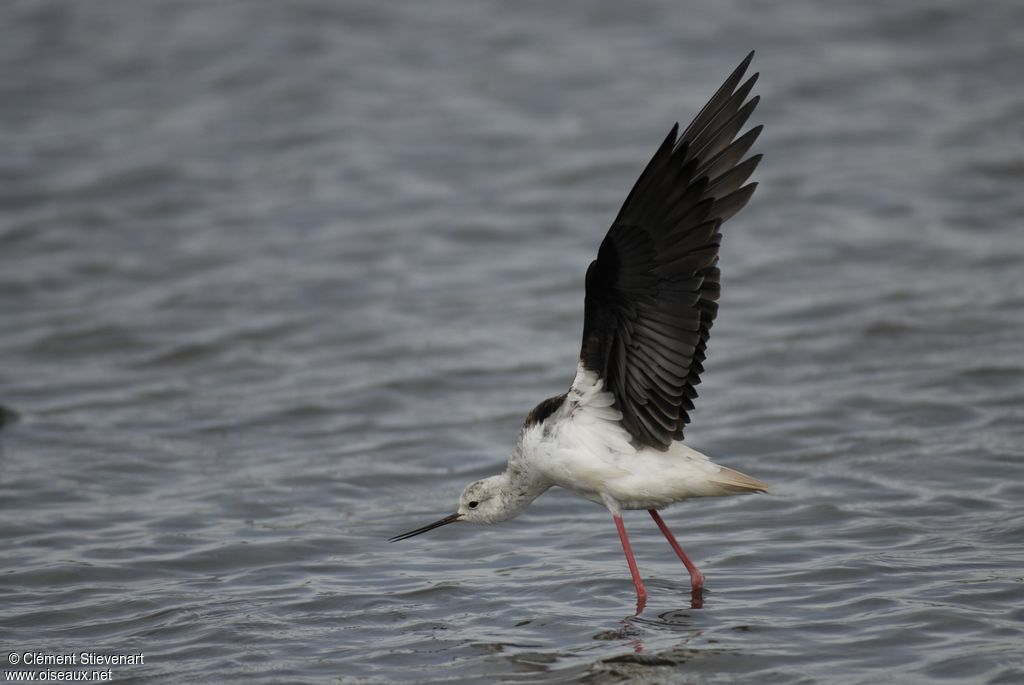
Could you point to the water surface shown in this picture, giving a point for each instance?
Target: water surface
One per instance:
(278, 279)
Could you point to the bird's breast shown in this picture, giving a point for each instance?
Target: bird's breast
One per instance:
(596, 460)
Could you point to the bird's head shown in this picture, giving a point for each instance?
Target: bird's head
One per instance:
(486, 501)
(490, 500)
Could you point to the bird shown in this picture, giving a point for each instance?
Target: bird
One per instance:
(615, 437)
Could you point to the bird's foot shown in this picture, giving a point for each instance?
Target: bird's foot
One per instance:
(641, 603)
(697, 597)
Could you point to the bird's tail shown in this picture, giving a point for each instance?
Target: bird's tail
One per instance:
(738, 483)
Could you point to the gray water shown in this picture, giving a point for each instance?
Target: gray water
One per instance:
(278, 279)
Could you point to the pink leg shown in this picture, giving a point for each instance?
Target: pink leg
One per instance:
(696, 577)
(641, 593)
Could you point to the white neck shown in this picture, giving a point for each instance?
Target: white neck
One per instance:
(516, 488)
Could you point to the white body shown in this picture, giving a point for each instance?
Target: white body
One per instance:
(583, 447)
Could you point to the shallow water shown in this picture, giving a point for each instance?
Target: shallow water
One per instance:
(277, 280)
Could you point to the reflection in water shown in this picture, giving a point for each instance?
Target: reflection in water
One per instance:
(680, 624)
(677, 619)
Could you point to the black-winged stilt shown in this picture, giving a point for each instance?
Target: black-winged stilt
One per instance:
(615, 437)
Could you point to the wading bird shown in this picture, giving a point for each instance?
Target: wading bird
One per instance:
(615, 437)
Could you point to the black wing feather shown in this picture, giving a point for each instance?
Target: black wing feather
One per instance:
(652, 291)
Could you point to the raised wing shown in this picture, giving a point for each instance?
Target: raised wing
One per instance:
(652, 291)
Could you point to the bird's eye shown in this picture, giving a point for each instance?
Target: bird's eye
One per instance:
(474, 504)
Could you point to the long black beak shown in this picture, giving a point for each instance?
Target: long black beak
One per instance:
(436, 524)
